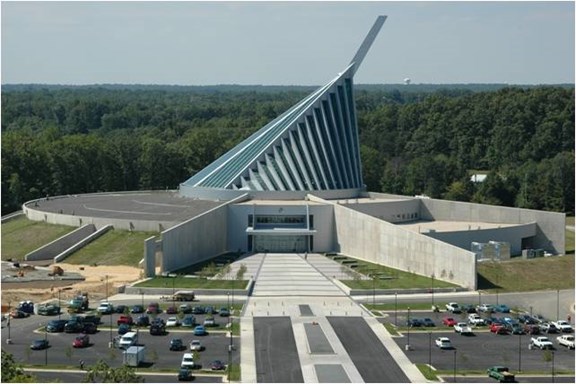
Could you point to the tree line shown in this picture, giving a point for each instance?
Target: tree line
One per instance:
(67, 140)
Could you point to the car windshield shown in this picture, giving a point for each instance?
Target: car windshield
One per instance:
(188, 359)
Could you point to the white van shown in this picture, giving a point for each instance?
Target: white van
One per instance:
(129, 339)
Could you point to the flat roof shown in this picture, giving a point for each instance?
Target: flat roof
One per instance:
(425, 226)
(166, 206)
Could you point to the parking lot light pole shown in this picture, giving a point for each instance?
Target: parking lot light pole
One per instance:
(109, 308)
(454, 372)
(59, 303)
(429, 351)
(520, 353)
(552, 366)
(557, 304)
(46, 346)
(230, 345)
(408, 324)
(396, 309)
(9, 340)
(432, 291)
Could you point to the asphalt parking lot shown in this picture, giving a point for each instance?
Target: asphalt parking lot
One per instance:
(476, 352)
(158, 355)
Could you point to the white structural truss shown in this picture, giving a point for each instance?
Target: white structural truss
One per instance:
(313, 146)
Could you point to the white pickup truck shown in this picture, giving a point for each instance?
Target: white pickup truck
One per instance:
(453, 307)
(475, 319)
(542, 342)
(563, 326)
(462, 328)
(566, 340)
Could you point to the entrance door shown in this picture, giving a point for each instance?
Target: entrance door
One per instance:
(280, 244)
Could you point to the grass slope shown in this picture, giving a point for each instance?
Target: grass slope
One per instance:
(115, 247)
(517, 275)
(21, 236)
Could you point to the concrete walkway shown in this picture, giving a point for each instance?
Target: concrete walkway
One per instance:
(300, 286)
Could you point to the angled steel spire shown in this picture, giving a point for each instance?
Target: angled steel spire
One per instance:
(313, 146)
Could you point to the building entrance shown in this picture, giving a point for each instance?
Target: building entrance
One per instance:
(280, 244)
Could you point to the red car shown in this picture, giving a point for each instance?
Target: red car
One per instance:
(498, 328)
(125, 319)
(449, 321)
(153, 308)
(81, 341)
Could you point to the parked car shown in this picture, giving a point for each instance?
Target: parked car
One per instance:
(224, 312)
(187, 361)
(124, 328)
(448, 321)
(143, 321)
(475, 319)
(566, 340)
(172, 322)
(89, 327)
(210, 322)
(502, 308)
(188, 321)
(532, 329)
(171, 310)
(527, 319)
(428, 322)
(157, 329)
(137, 309)
(48, 310)
(177, 345)
(515, 328)
(462, 328)
(196, 345)
(185, 308)
(185, 374)
(81, 341)
(26, 306)
(198, 310)
(120, 308)
(92, 319)
(209, 310)
(125, 319)
(443, 343)
(73, 326)
(414, 323)
(40, 344)
(18, 314)
(56, 325)
(468, 308)
(153, 308)
(501, 373)
(217, 365)
(498, 328)
(548, 328)
(199, 330)
(453, 307)
(485, 308)
(563, 326)
(105, 308)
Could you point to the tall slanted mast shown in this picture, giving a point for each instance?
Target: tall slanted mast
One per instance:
(313, 146)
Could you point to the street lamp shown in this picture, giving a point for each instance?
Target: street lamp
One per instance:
(45, 346)
(432, 291)
(230, 346)
(454, 372)
(552, 366)
(557, 304)
(9, 340)
(109, 309)
(409, 326)
(396, 309)
(429, 351)
(519, 352)
(373, 291)
(142, 293)
(59, 303)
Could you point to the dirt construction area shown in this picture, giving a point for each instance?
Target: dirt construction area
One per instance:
(40, 284)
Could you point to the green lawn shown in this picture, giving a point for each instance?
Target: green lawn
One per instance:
(517, 275)
(181, 282)
(115, 247)
(386, 278)
(21, 236)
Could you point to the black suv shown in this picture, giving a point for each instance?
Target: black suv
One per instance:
(56, 325)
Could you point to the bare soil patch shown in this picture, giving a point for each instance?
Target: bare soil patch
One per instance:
(94, 284)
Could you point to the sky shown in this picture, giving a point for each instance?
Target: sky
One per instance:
(285, 43)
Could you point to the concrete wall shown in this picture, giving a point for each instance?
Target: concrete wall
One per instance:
(149, 265)
(82, 243)
(198, 239)
(238, 222)
(464, 239)
(378, 241)
(56, 247)
(98, 222)
(395, 211)
(550, 229)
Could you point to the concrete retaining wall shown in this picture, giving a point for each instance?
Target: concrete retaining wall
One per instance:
(378, 241)
(82, 243)
(195, 240)
(60, 245)
(550, 230)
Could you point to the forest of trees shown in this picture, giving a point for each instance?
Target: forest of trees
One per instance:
(66, 140)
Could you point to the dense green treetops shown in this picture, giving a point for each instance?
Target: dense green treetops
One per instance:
(428, 140)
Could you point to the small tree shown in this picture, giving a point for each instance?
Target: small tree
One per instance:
(241, 271)
(102, 373)
(12, 372)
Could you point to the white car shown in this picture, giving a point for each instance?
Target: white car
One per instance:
(475, 319)
(196, 345)
(462, 328)
(566, 340)
(187, 361)
(443, 343)
(485, 308)
(105, 308)
(453, 307)
(172, 322)
(563, 326)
